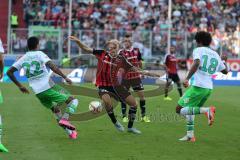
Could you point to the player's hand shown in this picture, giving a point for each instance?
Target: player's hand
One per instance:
(24, 90)
(73, 38)
(185, 83)
(69, 81)
(224, 57)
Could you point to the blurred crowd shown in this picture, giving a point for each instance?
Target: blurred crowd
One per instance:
(47, 44)
(136, 14)
(221, 17)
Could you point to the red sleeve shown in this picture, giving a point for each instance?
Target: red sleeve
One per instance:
(166, 59)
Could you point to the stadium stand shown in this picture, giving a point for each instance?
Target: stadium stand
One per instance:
(142, 16)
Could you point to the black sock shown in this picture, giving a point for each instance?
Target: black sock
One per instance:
(180, 91)
(143, 108)
(166, 92)
(112, 116)
(131, 116)
(124, 109)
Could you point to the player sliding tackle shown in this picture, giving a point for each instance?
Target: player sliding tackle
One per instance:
(206, 62)
(35, 64)
(110, 71)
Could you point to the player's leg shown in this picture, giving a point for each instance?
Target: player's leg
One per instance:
(58, 115)
(188, 106)
(190, 103)
(105, 94)
(124, 111)
(190, 129)
(142, 103)
(130, 100)
(63, 96)
(106, 98)
(2, 147)
(137, 86)
(125, 95)
(209, 110)
(167, 85)
(57, 95)
(179, 87)
(125, 83)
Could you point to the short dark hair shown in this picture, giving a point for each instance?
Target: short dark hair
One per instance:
(127, 35)
(203, 38)
(32, 43)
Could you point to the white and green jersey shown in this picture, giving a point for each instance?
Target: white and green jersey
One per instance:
(33, 63)
(210, 63)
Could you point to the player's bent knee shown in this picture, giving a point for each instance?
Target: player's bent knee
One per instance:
(70, 99)
(178, 109)
(55, 109)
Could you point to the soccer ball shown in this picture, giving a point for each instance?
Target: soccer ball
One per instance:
(95, 106)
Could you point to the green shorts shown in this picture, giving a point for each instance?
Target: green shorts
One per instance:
(53, 96)
(194, 97)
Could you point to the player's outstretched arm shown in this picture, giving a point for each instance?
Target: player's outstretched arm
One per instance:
(224, 59)
(56, 70)
(146, 73)
(10, 74)
(81, 45)
(193, 69)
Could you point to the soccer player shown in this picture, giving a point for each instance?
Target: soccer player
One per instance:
(132, 78)
(2, 147)
(172, 75)
(206, 62)
(35, 64)
(110, 70)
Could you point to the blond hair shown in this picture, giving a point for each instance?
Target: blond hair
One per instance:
(114, 41)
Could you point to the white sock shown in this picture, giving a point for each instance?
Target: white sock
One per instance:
(203, 110)
(71, 107)
(183, 111)
(190, 133)
(73, 102)
(190, 118)
(69, 132)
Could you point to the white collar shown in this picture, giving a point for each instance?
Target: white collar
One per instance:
(129, 49)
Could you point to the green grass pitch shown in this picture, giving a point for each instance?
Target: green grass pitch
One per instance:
(31, 133)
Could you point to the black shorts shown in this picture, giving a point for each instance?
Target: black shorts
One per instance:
(117, 92)
(136, 84)
(174, 77)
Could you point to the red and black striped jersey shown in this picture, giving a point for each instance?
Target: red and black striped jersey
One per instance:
(171, 63)
(110, 70)
(133, 56)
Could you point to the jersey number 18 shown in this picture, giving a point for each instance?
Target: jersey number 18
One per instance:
(209, 68)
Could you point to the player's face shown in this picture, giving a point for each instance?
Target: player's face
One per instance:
(127, 42)
(38, 46)
(113, 49)
(172, 50)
